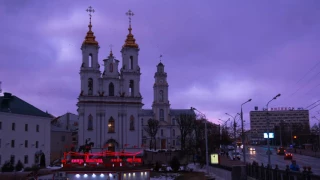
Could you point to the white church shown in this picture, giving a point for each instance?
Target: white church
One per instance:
(110, 103)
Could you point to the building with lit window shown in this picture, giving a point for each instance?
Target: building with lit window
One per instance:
(289, 117)
(24, 132)
(110, 102)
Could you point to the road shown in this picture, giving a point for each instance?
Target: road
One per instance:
(260, 156)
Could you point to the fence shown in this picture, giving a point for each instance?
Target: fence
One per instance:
(254, 171)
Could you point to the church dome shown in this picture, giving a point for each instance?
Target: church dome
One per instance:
(130, 41)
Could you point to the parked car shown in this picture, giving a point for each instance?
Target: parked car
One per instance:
(288, 156)
(236, 155)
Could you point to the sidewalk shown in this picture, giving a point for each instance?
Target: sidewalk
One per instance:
(226, 161)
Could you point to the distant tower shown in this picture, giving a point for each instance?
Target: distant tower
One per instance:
(0, 87)
(161, 105)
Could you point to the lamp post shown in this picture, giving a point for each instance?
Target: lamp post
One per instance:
(281, 133)
(314, 117)
(206, 137)
(243, 143)
(224, 124)
(234, 129)
(268, 124)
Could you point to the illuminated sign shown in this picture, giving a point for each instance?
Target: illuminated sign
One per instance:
(138, 160)
(284, 109)
(80, 161)
(214, 159)
(271, 135)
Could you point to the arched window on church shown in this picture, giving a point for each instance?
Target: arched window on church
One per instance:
(161, 96)
(131, 62)
(111, 89)
(131, 123)
(90, 86)
(90, 60)
(90, 122)
(173, 132)
(161, 116)
(131, 88)
(111, 67)
(111, 125)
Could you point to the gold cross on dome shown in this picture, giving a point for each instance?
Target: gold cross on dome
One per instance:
(129, 14)
(110, 47)
(90, 10)
(160, 57)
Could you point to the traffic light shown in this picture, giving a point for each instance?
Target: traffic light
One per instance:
(295, 137)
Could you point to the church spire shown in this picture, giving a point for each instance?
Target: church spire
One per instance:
(90, 38)
(111, 54)
(130, 41)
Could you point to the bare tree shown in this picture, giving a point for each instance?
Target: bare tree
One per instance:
(152, 129)
(186, 123)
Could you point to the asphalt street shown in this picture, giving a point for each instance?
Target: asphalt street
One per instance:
(260, 156)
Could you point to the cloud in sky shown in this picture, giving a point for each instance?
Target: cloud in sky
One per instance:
(217, 54)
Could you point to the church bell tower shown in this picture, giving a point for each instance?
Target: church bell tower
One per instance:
(90, 68)
(161, 104)
(130, 70)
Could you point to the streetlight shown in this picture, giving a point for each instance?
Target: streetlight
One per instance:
(224, 124)
(234, 129)
(243, 144)
(314, 117)
(268, 123)
(206, 137)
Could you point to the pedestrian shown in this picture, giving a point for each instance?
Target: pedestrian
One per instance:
(294, 166)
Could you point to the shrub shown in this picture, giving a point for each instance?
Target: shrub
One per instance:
(7, 167)
(175, 164)
(157, 166)
(19, 166)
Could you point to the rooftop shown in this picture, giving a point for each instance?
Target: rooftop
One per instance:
(13, 104)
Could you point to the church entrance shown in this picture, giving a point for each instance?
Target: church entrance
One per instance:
(111, 148)
(163, 143)
(111, 144)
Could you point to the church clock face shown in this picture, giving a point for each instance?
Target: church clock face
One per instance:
(161, 81)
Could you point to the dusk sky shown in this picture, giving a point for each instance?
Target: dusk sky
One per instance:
(218, 54)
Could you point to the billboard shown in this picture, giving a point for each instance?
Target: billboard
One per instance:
(214, 159)
(271, 135)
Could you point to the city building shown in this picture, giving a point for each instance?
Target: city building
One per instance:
(110, 102)
(24, 132)
(289, 116)
(64, 135)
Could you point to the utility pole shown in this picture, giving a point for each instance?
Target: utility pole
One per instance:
(206, 138)
(268, 133)
(234, 130)
(242, 133)
(280, 133)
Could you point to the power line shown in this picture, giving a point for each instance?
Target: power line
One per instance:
(312, 104)
(305, 83)
(312, 89)
(310, 70)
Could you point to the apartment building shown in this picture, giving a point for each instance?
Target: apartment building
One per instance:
(290, 116)
(24, 132)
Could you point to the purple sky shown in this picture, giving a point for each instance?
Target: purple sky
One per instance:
(217, 54)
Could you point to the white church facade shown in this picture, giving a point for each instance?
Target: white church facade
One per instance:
(110, 103)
